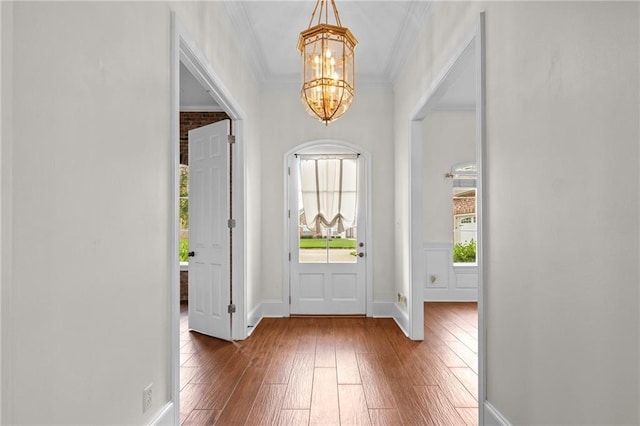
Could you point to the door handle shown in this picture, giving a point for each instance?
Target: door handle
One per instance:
(361, 254)
(191, 253)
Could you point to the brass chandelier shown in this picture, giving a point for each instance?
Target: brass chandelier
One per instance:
(328, 68)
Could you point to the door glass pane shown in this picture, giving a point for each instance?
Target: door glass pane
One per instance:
(313, 245)
(326, 246)
(342, 247)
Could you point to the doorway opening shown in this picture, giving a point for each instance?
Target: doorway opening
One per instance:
(202, 91)
(447, 164)
(326, 216)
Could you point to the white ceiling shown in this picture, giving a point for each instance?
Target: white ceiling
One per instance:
(267, 32)
(193, 97)
(458, 90)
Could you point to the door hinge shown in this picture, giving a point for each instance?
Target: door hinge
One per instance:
(289, 257)
(289, 214)
(231, 309)
(231, 139)
(289, 299)
(289, 170)
(231, 223)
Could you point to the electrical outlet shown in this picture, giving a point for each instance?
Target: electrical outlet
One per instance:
(147, 397)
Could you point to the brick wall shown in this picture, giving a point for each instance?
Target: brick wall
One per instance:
(464, 205)
(188, 121)
(184, 286)
(193, 120)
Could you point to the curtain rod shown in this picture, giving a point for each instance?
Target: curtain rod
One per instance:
(357, 154)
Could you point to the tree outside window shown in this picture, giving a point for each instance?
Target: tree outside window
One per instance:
(184, 213)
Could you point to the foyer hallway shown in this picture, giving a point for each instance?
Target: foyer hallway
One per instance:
(331, 371)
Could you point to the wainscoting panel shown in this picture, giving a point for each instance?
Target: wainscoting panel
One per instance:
(445, 282)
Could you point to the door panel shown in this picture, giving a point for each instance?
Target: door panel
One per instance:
(209, 281)
(329, 279)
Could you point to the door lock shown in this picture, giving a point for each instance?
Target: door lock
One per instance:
(361, 254)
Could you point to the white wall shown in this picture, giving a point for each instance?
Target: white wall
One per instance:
(87, 324)
(6, 99)
(449, 139)
(285, 124)
(562, 147)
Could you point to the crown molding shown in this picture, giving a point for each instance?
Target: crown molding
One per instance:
(413, 23)
(248, 43)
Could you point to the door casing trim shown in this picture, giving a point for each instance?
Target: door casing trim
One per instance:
(286, 275)
(476, 37)
(185, 50)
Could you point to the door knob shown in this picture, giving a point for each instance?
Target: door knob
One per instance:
(361, 254)
(361, 244)
(191, 253)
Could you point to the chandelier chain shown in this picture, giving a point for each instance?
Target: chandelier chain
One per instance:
(323, 5)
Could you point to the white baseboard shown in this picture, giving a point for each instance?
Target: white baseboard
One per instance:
(383, 309)
(402, 318)
(445, 295)
(166, 416)
(255, 315)
(274, 308)
(492, 417)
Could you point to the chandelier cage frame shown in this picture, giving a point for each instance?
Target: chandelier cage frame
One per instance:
(328, 66)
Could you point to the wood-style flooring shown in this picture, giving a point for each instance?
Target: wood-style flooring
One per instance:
(330, 371)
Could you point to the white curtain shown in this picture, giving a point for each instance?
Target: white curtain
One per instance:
(329, 191)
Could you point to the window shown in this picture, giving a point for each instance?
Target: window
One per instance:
(465, 234)
(328, 193)
(184, 213)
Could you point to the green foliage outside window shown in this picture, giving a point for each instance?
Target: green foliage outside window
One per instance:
(184, 213)
(184, 250)
(464, 253)
(184, 197)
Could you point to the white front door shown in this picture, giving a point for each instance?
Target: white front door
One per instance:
(209, 238)
(327, 269)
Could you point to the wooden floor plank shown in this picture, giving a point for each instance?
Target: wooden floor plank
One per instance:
(353, 405)
(449, 357)
(266, 408)
(218, 393)
(298, 394)
(436, 407)
(324, 398)
(190, 396)
(347, 367)
(469, 415)
(408, 403)
(294, 417)
(376, 389)
(468, 378)
(280, 368)
(384, 417)
(244, 395)
(186, 374)
(465, 354)
(201, 418)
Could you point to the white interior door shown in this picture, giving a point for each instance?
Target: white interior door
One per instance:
(209, 238)
(329, 279)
